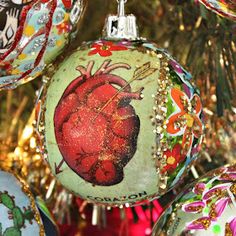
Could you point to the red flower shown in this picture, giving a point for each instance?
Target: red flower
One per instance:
(67, 3)
(105, 48)
(173, 158)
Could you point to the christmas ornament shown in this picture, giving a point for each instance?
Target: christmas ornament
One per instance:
(49, 223)
(120, 120)
(207, 207)
(19, 214)
(225, 8)
(32, 34)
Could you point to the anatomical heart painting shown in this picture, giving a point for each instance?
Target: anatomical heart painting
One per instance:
(99, 112)
(118, 120)
(96, 127)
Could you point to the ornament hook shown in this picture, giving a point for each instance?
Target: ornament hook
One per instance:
(121, 7)
(121, 26)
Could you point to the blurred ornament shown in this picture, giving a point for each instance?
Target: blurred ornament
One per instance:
(207, 207)
(49, 223)
(225, 8)
(18, 211)
(32, 34)
(126, 123)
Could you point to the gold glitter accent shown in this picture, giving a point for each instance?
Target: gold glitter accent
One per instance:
(213, 214)
(204, 222)
(25, 189)
(160, 113)
(228, 231)
(197, 209)
(228, 177)
(233, 189)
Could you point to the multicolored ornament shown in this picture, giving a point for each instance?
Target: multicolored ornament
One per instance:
(19, 214)
(207, 207)
(120, 122)
(32, 34)
(225, 8)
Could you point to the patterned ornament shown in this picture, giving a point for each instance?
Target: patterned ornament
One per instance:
(225, 8)
(18, 212)
(120, 122)
(32, 34)
(207, 207)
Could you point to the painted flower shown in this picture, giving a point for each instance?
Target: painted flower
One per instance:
(105, 48)
(215, 191)
(194, 207)
(64, 27)
(214, 201)
(199, 188)
(228, 176)
(186, 120)
(173, 158)
(230, 228)
(218, 208)
(201, 223)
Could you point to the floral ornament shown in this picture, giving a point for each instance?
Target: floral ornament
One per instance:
(214, 201)
(206, 208)
(105, 48)
(173, 158)
(186, 120)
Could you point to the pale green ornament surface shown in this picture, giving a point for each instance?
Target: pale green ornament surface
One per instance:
(142, 172)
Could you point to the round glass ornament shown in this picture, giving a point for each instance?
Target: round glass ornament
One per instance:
(32, 34)
(207, 207)
(119, 120)
(18, 211)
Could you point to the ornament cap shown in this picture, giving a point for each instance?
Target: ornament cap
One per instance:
(121, 26)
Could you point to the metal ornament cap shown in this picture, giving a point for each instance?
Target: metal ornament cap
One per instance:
(121, 26)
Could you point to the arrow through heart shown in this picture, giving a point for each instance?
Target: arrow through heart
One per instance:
(58, 167)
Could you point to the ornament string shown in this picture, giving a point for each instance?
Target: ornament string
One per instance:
(121, 7)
